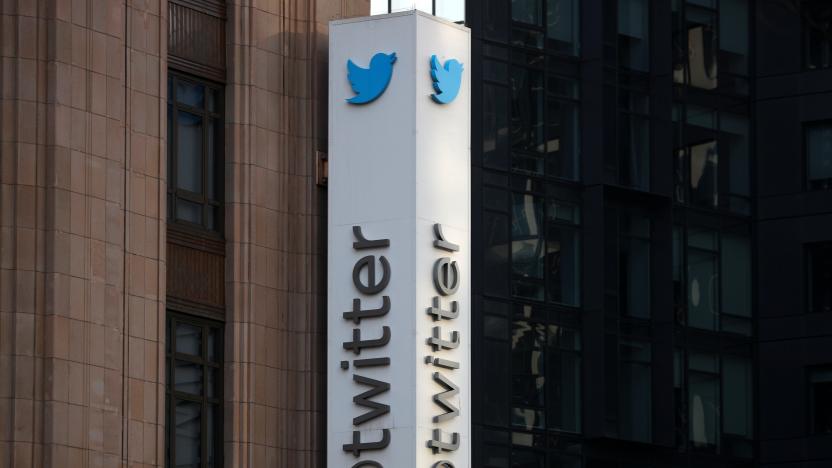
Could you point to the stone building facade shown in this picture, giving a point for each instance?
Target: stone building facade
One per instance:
(94, 266)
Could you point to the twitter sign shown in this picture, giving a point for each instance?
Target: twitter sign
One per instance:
(369, 83)
(446, 79)
(399, 243)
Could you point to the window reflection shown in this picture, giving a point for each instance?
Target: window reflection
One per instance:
(819, 155)
(545, 250)
(563, 26)
(817, 32)
(633, 34)
(819, 273)
(635, 401)
(820, 381)
(703, 401)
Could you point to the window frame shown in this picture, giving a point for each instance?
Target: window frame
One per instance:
(172, 396)
(174, 193)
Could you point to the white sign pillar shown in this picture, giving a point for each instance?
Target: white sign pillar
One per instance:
(399, 303)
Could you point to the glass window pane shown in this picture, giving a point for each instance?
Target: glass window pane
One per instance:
(211, 164)
(733, 35)
(527, 101)
(702, 48)
(214, 344)
(188, 211)
(451, 10)
(214, 431)
(634, 409)
(527, 11)
(189, 152)
(563, 265)
(737, 397)
(191, 94)
(495, 126)
(402, 5)
(817, 31)
(214, 385)
(736, 275)
(703, 402)
(495, 327)
(495, 388)
(820, 278)
(819, 155)
(703, 289)
(562, 25)
(214, 100)
(188, 339)
(527, 253)
(704, 161)
(735, 152)
(635, 277)
(496, 255)
(562, 139)
(527, 459)
(188, 423)
(564, 391)
(634, 151)
(187, 377)
(633, 31)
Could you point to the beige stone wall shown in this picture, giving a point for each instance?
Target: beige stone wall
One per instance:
(81, 233)
(276, 278)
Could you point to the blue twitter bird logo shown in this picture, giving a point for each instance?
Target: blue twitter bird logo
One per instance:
(369, 83)
(446, 80)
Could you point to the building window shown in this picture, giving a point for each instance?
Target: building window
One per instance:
(820, 277)
(737, 406)
(635, 383)
(563, 26)
(546, 372)
(712, 279)
(817, 33)
(820, 382)
(551, 23)
(634, 139)
(704, 401)
(819, 155)
(195, 153)
(634, 34)
(194, 392)
(545, 249)
(712, 158)
(628, 271)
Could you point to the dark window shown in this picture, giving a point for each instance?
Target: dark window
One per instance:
(820, 277)
(634, 34)
(703, 279)
(737, 406)
(820, 381)
(563, 26)
(195, 153)
(712, 158)
(704, 401)
(546, 373)
(634, 139)
(817, 33)
(628, 264)
(194, 392)
(545, 250)
(635, 384)
(819, 155)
